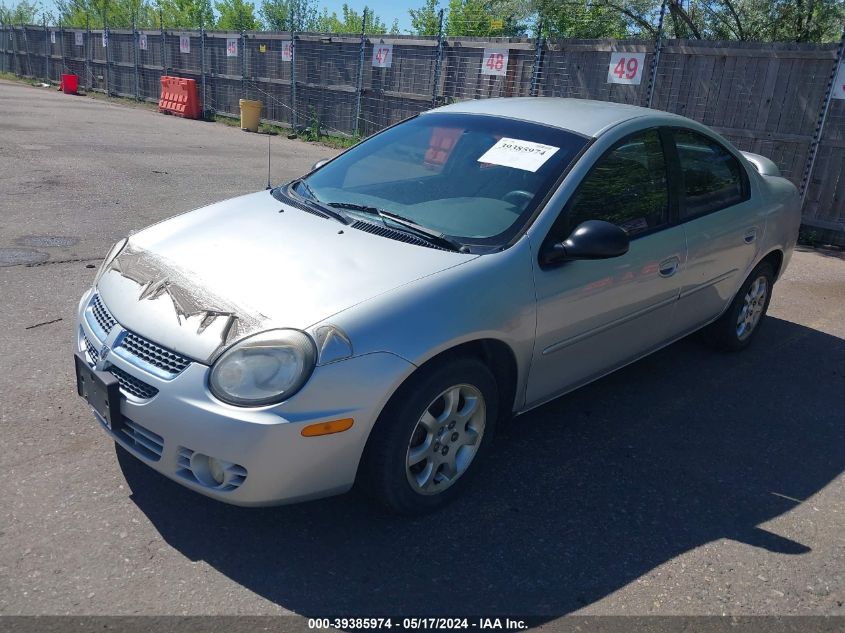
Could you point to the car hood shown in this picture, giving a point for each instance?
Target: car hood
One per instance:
(202, 280)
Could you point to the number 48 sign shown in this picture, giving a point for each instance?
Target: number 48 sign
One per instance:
(626, 68)
(495, 62)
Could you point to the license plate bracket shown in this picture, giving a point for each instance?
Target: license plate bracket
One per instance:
(100, 389)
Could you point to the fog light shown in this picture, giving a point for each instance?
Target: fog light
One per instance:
(215, 469)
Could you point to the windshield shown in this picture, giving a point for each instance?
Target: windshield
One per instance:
(474, 178)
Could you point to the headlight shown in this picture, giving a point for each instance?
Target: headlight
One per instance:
(112, 254)
(264, 369)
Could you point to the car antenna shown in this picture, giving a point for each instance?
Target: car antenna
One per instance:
(269, 186)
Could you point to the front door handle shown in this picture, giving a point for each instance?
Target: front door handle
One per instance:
(669, 266)
(750, 235)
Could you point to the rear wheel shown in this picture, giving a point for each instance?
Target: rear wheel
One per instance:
(735, 329)
(428, 441)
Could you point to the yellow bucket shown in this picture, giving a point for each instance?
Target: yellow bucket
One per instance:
(250, 114)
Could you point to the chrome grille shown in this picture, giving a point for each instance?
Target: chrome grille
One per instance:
(155, 355)
(132, 385)
(141, 439)
(104, 319)
(92, 351)
(134, 348)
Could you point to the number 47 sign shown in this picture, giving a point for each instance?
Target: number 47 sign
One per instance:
(626, 68)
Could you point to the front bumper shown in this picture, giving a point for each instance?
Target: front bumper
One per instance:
(267, 461)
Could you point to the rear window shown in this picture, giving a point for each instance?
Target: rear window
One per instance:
(713, 177)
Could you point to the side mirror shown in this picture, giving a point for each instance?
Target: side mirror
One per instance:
(593, 239)
(319, 163)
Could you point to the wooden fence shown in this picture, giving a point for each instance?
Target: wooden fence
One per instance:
(765, 98)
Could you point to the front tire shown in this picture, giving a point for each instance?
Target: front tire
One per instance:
(736, 328)
(428, 441)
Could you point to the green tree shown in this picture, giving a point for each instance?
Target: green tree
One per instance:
(187, 13)
(24, 12)
(114, 13)
(349, 21)
(284, 15)
(426, 19)
(486, 18)
(236, 15)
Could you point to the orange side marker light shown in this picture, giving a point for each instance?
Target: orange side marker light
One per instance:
(327, 428)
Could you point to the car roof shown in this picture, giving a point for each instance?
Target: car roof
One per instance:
(583, 116)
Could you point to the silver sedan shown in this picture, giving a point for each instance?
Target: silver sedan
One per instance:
(371, 322)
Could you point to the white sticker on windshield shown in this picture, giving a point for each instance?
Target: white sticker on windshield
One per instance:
(512, 152)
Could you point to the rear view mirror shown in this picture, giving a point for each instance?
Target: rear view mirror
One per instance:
(593, 239)
(319, 163)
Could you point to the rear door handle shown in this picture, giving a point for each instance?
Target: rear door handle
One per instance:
(750, 235)
(669, 266)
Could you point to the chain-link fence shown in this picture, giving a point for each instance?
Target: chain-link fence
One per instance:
(769, 98)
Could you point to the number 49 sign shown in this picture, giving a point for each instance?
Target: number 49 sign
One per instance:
(626, 68)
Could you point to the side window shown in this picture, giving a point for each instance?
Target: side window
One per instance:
(713, 178)
(627, 187)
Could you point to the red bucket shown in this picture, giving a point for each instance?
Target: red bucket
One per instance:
(69, 84)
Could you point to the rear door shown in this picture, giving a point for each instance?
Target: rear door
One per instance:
(596, 315)
(722, 229)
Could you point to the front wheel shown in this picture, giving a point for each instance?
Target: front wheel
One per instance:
(735, 329)
(428, 441)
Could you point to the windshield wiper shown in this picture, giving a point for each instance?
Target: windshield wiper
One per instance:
(432, 236)
(315, 203)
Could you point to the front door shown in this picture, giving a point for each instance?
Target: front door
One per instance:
(596, 315)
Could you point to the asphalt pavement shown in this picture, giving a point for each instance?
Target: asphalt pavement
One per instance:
(691, 482)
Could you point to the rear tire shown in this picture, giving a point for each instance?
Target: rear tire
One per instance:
(427, 443)
(738, 326)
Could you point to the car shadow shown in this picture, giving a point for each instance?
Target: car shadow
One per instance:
(577, 499)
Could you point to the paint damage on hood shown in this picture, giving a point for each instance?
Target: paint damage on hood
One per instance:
(201, 281)
(192, 302)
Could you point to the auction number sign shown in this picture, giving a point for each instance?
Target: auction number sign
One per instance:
(839, 83)
(184, 43)
(382, 55)
(287, 50)
(142, 41)
(231, 47)
(105, 39)
(495, 62)
(626, 68)
(52, 37)
(77, 38)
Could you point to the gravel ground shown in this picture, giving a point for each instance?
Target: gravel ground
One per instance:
(689, 483)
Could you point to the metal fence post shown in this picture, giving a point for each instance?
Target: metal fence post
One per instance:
(46, 50)
(202, 68)
(108, 56)
(162, 44)
(438, 61)
(538, 60)
(359, 87)
(88, 79)
(28, 59)
(243, 65)
(293, 120)
(135, 55)
(817, 134)
(655, 60)
(62, 39)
